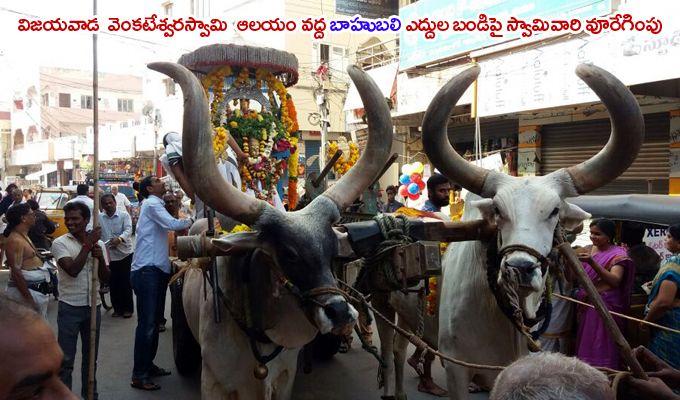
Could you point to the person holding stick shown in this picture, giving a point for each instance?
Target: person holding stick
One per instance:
(75, 253)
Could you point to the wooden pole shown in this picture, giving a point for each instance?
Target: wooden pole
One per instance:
(389, 162)
(574, 264)
(95, 218)
(327, 168)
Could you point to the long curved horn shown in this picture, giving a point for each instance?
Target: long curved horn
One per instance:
(625, 140)
(379, 146)
(197, 151)
(436, 141)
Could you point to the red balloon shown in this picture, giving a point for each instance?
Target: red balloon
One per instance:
(416, 178)
(421, 184)
(403, 191)
(414, 196)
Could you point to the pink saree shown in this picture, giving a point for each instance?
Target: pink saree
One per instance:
(593, 343)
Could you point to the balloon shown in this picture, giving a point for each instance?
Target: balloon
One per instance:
(413, 188)
(406, 169)
(416, 177)
(421, 184)
(403, 191)
(404, 179)
(417, 167)
(414, 196)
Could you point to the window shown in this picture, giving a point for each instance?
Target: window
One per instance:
(18, 139)
(335, 57)
(46, 100)
(169, 87)
(124, 124)
(86, 102)
(324, 54)
(167, 9)
(338, 61)
(46, 133)
(32, 133)
(65, 100)
(125, 105)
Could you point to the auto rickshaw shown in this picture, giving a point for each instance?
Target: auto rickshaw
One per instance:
(52, 201)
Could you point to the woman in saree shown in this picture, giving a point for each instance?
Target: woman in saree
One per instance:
(612, 273)
(663, 305)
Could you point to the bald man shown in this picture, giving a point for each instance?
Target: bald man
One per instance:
(30, 355)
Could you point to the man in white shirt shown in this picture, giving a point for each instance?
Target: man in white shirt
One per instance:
(150, 275)
(117, 234)
(122, 202)
(82, 197)
(75, 253)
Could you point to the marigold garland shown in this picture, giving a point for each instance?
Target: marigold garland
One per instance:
(258, 134)
(346, 161)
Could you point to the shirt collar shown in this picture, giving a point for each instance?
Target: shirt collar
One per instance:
(115, 214)
(155, 198)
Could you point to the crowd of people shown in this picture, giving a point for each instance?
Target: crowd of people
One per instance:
(129, 264)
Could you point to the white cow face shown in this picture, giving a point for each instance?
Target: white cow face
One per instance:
(526, 212)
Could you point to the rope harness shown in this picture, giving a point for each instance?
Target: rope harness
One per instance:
(377, 271)
(505, 290)
(256, 334)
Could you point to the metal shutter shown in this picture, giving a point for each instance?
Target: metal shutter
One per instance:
(563, 145)
(464, 135)
(312, 149)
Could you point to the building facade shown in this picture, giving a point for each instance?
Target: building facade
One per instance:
(51, 115)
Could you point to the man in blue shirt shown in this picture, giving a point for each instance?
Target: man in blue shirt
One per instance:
(150, 275)
(438, 188)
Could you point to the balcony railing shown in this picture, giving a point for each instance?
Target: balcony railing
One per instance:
(378, 54)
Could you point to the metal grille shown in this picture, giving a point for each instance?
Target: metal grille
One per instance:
(567, 144)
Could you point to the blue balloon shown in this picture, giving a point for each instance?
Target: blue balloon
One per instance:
(404, 179)
(413, 188)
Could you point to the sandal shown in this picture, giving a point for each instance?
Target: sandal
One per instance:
(144, 384)
(127, 315)
(158, 371)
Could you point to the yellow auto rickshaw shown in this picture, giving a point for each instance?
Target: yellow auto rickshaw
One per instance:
(52, 201)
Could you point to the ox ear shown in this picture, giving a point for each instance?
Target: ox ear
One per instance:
(239, 243)
(486, 208)
(571, 216)
(344, 244)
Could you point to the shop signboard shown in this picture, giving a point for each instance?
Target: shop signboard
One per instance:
(544, 77)
(367, 8)
(415, 49)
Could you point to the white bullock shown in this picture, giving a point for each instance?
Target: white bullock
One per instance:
(296, 246)
(526, 210)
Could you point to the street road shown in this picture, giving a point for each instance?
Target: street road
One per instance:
(347, 376)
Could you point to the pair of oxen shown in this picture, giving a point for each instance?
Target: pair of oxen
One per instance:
(298, 247)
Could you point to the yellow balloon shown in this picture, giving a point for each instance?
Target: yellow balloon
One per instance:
(418, 167)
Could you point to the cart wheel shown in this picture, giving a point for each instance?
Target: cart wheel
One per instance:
(185, 348)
